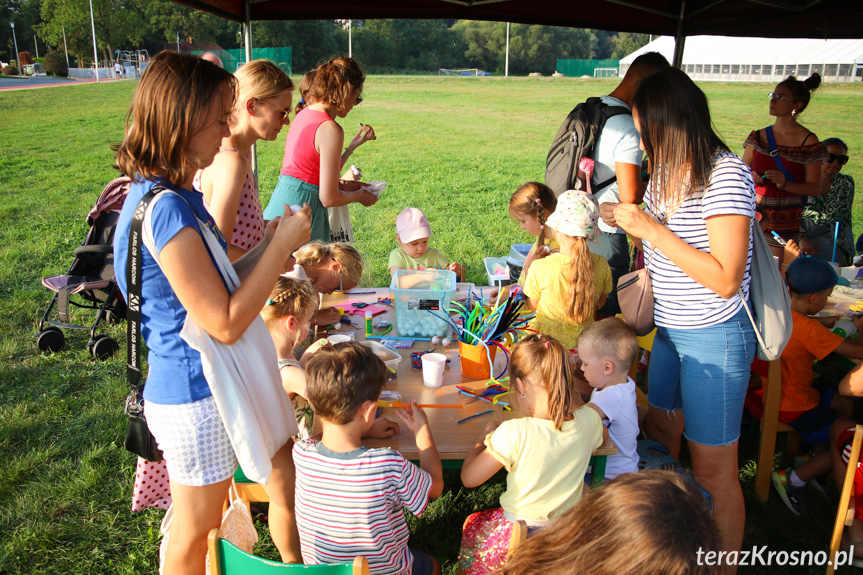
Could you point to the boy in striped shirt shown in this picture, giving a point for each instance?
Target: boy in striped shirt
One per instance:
(349, 498)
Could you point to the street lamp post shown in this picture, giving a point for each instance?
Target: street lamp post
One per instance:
(15, 40)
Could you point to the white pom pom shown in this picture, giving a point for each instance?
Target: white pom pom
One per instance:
(435, 340)
(446, 341)
(296, 208)
(337, 325)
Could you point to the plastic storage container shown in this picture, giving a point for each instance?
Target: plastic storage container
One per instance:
(390, 357)
(418, 293)
(495, 280)
(515, 261)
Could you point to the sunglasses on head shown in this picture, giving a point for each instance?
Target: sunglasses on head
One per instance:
(842, 159)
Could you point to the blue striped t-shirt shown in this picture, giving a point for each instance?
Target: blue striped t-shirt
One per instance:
(679, 301)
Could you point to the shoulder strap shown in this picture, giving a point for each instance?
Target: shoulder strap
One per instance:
(607, 112)
(133, 284)
(774, 153)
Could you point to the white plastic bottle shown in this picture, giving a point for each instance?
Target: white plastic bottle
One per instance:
(846, 328)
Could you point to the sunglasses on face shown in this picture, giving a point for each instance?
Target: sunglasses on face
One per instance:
(842, 159)
(780, 97)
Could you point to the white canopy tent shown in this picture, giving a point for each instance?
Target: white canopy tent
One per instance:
(732, 59)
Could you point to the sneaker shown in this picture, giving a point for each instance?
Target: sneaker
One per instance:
(792, 496)
(801, 459)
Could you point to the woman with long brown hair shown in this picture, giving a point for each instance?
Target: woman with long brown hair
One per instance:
(177, 120)
(696, 236)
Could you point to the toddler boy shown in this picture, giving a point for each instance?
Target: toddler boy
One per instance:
(607, 349)
(349, 498)
(412, 235)
(810, 409)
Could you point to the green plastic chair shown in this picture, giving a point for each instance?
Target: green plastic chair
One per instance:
(227, 559)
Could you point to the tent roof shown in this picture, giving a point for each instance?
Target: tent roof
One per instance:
(774, 18)
(726, 50)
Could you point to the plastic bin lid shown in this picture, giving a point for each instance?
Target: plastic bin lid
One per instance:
(423, 280)
(519, 251)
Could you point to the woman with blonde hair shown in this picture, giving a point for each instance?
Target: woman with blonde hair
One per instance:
(263, 103)
(647, 522)
(313, 148)
(330, 267)
(178, 117)
(697, 247)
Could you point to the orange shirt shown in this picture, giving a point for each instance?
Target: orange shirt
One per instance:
(809, 341)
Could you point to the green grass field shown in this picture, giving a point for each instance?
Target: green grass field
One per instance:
(455, 147)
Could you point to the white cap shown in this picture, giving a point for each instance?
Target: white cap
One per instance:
(411, 225)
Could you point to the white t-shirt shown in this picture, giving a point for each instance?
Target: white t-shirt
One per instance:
(680, 301)
(618, 403)
(618, 142)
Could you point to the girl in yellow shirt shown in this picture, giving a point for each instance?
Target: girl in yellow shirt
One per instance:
(544, 452)
(565, 289)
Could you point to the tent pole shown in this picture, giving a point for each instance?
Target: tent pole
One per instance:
(679, 39)
(247, 36)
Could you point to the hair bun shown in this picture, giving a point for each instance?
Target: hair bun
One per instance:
(812, 82)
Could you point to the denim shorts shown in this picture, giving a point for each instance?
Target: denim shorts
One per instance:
(705, 373)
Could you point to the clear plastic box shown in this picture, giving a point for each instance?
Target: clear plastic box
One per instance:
(390, 357)
(493, 279)
(418, 293)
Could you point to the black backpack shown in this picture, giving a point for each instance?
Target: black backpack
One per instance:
(575, 139)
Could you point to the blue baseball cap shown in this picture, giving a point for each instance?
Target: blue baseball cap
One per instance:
(808, 274)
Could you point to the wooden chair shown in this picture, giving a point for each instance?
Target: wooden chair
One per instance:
(645, 342)
(226, 559)
(250, 491)
(843, 516)
(767, 410)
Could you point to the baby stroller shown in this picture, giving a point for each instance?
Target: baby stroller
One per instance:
(89, 283)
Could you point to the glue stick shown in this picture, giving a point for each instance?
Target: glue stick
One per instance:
(369, 328)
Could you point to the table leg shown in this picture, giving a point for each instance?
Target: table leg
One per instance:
(597, 470)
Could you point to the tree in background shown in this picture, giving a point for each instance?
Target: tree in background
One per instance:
(55, 64)
(311, 41)
(531, 48)
(25, 15)
(625, 43)
(166, 19)
(25, 58)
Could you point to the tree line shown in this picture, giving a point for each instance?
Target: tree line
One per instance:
(383, 46)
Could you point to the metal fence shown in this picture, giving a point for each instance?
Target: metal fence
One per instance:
(579, 68)
(234, 58)
(830, 72)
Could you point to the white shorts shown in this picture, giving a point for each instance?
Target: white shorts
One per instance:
(193, 440)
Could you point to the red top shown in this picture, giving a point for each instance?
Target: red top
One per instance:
(302, 161)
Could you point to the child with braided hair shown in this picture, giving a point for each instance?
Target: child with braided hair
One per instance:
(336, 266)
(288, 315)
(531, 205)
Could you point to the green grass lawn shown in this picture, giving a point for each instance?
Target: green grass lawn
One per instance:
(454, 147)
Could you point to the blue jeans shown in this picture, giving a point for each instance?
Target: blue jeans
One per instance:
(705, 373)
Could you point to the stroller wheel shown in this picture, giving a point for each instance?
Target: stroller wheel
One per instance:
(104, 347)
(51, 339)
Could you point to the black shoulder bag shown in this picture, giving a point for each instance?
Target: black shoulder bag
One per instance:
(139, 440)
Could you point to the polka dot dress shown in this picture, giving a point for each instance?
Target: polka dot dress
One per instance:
(152, 488)
(249, 227)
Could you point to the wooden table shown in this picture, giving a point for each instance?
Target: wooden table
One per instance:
(454, 440)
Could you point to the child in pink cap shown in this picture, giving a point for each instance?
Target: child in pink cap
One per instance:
(412, 235)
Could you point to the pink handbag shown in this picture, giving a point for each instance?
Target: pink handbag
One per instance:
(635, 296)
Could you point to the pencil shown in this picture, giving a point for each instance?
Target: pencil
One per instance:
(427, 405)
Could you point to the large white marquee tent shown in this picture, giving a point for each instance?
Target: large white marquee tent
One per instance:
(761, 59)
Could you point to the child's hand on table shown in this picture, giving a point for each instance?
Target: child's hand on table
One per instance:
(414, 417)
(382, 428)
(326, 316)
